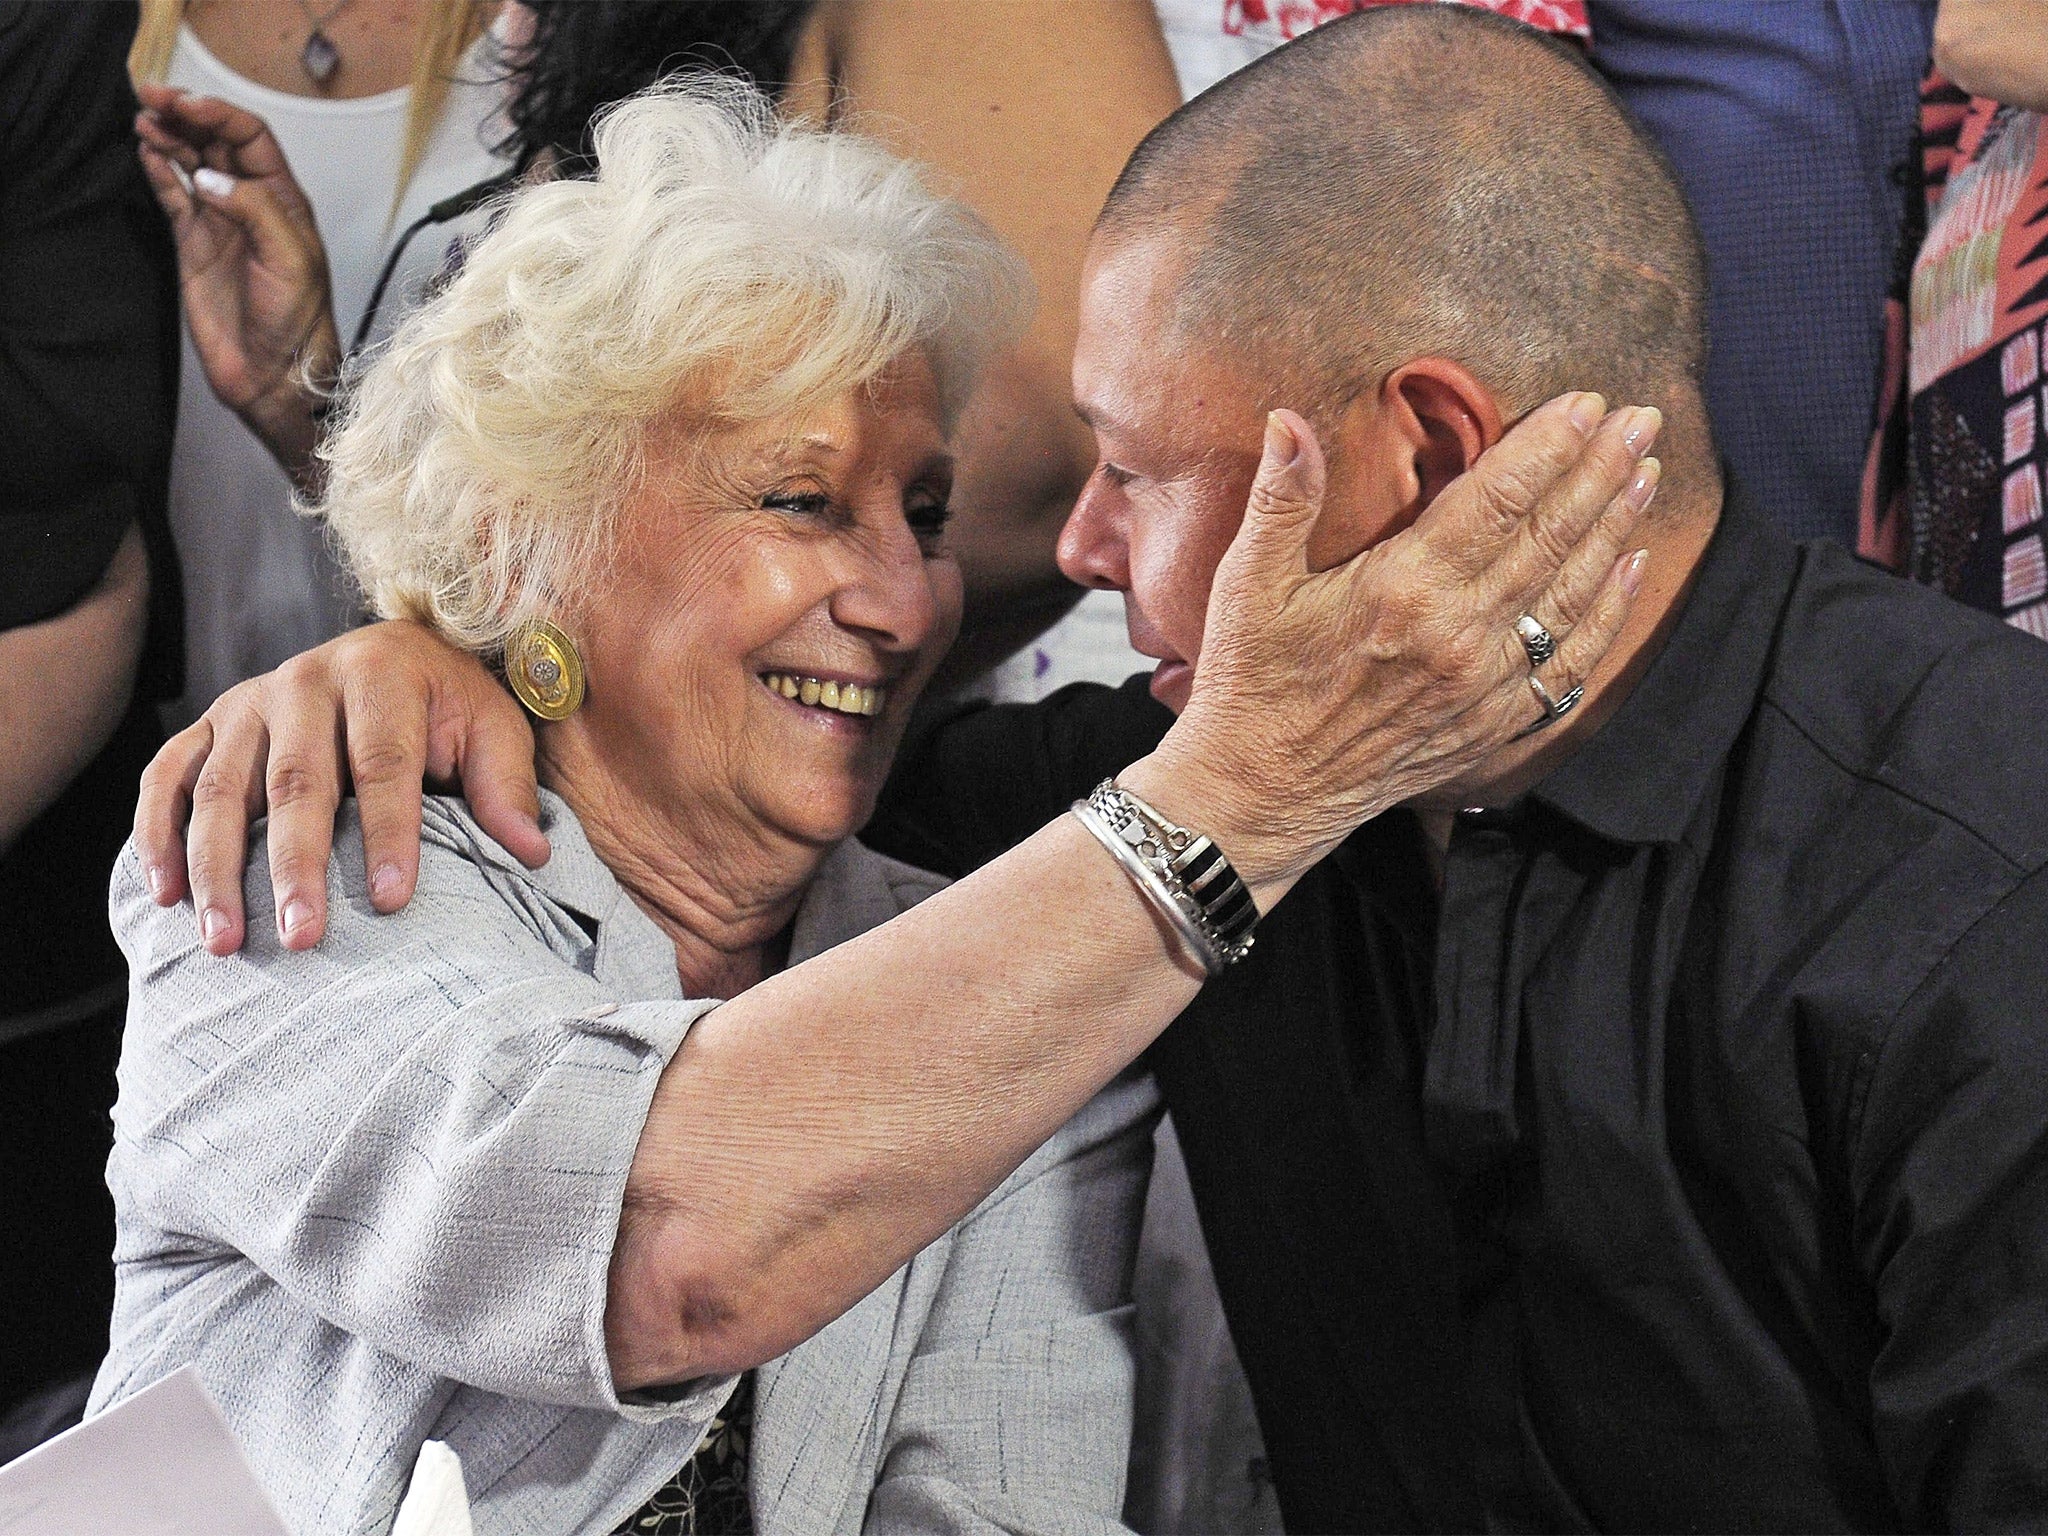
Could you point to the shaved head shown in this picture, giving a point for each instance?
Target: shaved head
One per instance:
(1425, 180)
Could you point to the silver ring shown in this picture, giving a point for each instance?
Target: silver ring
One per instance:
(1554, 710)
(1536, 640)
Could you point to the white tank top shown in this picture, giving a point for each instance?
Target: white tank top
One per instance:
(260, 585)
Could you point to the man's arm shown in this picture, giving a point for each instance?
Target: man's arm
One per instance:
(64, 684)
(1950, 1176)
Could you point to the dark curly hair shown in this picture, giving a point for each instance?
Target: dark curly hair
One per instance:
(587, 54)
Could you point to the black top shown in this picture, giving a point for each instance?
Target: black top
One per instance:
(1686, 1167)
(88, 382)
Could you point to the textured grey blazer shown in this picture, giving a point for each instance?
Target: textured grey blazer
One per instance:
(370, 1192)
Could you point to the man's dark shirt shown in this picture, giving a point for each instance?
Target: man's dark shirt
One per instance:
(1685, 1165)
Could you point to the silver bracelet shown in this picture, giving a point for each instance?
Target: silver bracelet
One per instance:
(1182, 873)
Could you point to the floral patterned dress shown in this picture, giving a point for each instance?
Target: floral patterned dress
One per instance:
(708, 1496)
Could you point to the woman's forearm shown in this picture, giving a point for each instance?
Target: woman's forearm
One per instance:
(814, 1133)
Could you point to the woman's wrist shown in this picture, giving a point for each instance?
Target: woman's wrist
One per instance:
(1268, 848)
(287, 417)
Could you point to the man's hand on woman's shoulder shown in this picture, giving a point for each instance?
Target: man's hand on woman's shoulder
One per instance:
(377, 712)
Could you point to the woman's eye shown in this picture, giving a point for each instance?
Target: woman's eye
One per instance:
(799, 503)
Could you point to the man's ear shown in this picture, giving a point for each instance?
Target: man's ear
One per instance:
(1395, 448)
(1444, 419)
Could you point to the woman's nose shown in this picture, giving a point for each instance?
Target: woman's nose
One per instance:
(1093, 549)
(887, 591)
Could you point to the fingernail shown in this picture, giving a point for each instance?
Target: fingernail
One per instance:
(212, 924)
(159, 882)
(1644, 486)
(1586, 412)
(213, 183)
(1282, 448)
(385, 881)
(297, 913)
(1632, 573)
(1644, 423)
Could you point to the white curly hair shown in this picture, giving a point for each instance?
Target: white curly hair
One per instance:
(723, 264)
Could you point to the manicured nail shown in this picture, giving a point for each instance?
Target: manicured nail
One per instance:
(384, 882)
(1644, 423)
(1644, 486)
(1282, 448)
(159, 882)
(213, 183)
(1632, 573)
(212, 924)
(1586, 412)
(297, 913)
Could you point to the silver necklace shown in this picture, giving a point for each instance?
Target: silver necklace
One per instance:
(320, 58)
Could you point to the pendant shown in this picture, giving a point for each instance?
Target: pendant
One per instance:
(320, 58)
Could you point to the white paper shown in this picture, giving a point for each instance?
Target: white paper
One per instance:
(160, 1463)
(437, 1503)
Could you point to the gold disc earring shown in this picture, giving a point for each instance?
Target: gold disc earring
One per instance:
(545, 670)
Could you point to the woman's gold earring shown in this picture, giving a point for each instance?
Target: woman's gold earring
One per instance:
(545, 670)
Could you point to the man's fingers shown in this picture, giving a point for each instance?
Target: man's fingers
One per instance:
(1584, 574)
(1480, 513)
(161, 806)
(226, 796)
(493, 757)
(385, 724)
(302, 782)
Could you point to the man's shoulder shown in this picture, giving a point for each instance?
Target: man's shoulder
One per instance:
(984, 777)
(1917, 696)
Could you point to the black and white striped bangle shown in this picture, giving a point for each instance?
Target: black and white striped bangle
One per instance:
(1181, 872)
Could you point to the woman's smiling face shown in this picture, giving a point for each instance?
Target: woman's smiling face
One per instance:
(779, 594)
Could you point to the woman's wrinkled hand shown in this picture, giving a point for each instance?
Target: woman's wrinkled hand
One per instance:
(251, 267)
(1324, 698)
(373, 713)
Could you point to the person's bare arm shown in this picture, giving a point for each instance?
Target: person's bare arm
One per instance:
(1026, 111)
(64, 684)
(1995, 48)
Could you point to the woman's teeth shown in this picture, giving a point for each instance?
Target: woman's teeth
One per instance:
(847, 698)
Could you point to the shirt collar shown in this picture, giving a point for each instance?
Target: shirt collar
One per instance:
(1641, 776)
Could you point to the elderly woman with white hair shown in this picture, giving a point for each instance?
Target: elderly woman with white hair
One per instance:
(850, 1250)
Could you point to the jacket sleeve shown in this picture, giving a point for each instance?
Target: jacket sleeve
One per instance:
(1951, 1174)
(419, 1130)
(1015, 1412)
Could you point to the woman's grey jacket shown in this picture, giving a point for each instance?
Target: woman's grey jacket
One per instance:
(370, 1191)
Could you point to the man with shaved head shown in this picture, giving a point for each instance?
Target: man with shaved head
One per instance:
(1649, 1130)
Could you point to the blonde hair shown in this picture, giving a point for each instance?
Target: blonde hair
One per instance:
(447, 28)
(722, 264)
